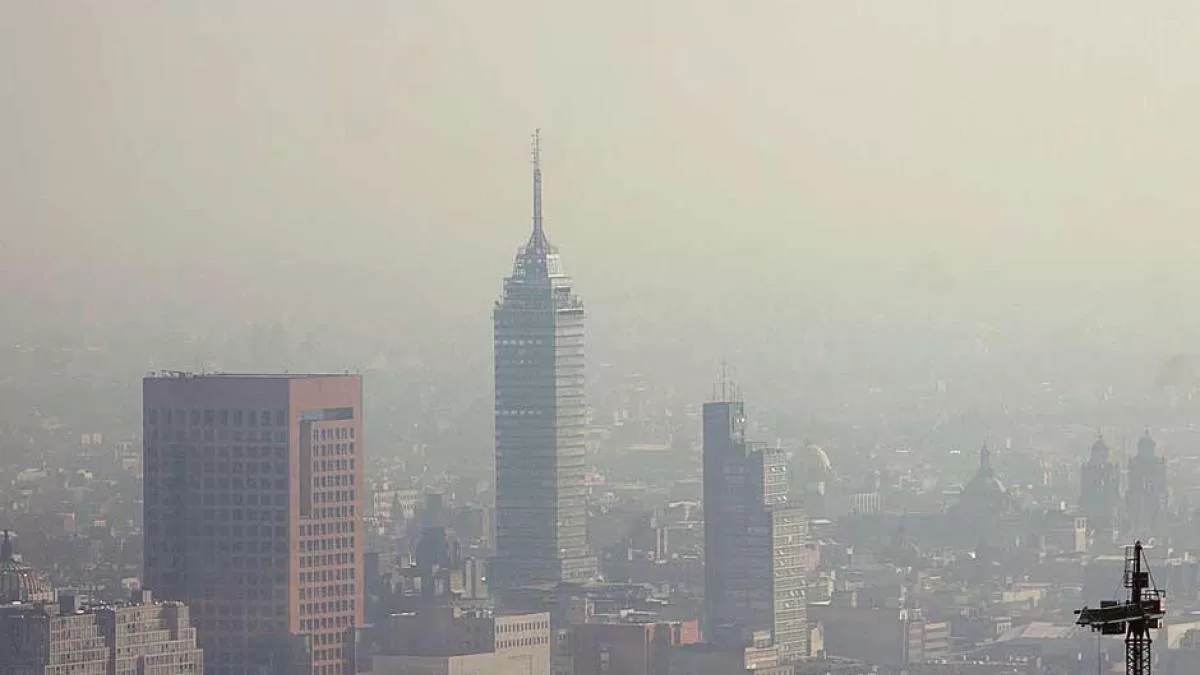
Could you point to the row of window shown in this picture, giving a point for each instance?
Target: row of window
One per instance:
(330, 591)
(333, 434)
(327, 559)
(322, 576)
(317, 529)
(325, 623)
(327, 544)
(251, 418)
(329, 607)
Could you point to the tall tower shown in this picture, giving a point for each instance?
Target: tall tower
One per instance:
(253, 496)
(1146, 496)
(754, 539)
(1100, 491)
(541, 499)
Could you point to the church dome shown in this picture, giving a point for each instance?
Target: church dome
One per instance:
(985, 491)
(20, 582)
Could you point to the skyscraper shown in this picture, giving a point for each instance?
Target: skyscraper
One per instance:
(754, 539)
(541, 500)
(252, 502)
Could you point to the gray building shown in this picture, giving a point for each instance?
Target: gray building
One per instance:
(140, 638)
(541, 501)
(754, 548)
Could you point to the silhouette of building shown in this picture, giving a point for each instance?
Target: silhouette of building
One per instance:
(253, 498)
(754, 540)
(541, 500)
(142, 637)
(1146, 495)
(1100, 491)
(978, 516)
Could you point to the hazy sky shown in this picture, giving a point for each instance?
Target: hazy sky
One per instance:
(706, 161)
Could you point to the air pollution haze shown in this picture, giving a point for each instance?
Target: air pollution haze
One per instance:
(815, 191)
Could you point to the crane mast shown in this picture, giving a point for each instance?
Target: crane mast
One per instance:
(1135, 617)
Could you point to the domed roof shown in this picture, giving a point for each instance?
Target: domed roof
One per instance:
(985, 487)
(20, 582)
(1100, 450)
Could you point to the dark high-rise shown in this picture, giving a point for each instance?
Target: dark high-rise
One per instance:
(754, 539)
(253, 495)
(541, 500)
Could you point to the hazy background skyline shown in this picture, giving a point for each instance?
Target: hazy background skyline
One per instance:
(724, 179)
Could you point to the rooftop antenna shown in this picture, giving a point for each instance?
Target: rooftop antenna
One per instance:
(536, 152)
(724, 381)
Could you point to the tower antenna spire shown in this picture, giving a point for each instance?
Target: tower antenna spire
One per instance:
(539, 234)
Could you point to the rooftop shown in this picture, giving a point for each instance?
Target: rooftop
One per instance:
(182, 375)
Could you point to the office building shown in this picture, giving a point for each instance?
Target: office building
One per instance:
(541, 499)
(142, 637)
(754, 540)
(253, 499)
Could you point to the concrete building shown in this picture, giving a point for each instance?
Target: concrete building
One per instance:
(628, 647)
(449, 641)
(143, 637)
(253, 499)
(541, 496)
(754, 539)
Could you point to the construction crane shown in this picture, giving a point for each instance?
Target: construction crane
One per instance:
(1135, 617)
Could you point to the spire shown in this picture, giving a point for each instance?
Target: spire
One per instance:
(539, 235)
(6, 547)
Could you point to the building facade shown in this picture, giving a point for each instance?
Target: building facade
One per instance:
(143, 637)
(629, 648)
(541, 497)
(253, 499)
(450, 641)
(754, 539)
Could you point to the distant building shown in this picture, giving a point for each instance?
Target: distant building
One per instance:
(628, 647)
(1100, 492)
(140, 638)
(977, 518)
(253, 505)
(1146, 496)
(447, 641)
(20, 583)
(754, 540)
(541, 419)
